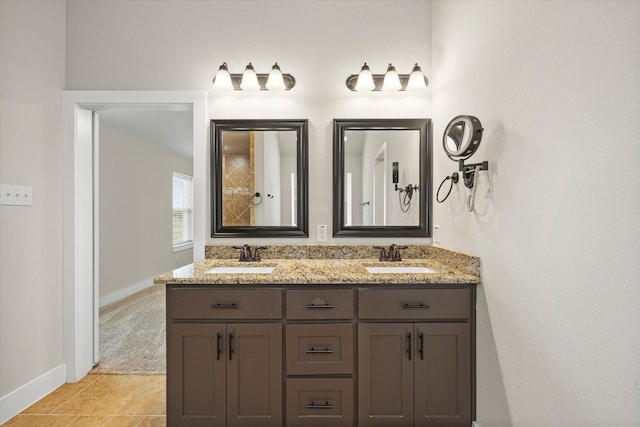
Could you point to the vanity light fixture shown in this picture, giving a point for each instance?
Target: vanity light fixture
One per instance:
(222, 80)
(275, 81)
(390, 81)
(364, 80)
(249, 79)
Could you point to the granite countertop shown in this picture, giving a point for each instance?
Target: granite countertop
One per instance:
(343, 265)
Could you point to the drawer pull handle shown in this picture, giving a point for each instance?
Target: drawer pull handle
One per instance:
(320, 306)
(220, 305)
(326, 350)
(421, 305)
(326, 405)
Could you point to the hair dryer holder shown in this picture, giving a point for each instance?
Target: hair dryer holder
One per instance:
(469, 171)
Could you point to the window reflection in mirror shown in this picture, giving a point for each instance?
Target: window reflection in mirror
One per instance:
(259, 178)
(382, 177)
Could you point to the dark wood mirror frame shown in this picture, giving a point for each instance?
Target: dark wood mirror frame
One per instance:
(302, 184)
(340, 126)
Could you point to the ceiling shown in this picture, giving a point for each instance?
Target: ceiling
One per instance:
(172, 130)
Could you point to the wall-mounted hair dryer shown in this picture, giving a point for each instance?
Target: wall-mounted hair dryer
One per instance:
(405, 202)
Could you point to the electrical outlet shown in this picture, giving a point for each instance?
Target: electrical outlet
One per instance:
(321, 233)
(436, 235)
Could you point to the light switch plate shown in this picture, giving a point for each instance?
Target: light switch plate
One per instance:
(436, 234)
(16, 195)
(321, 233)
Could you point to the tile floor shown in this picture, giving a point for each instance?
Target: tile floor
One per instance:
(100, 400)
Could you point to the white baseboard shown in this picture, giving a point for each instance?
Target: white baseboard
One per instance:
(20, 399)
(475, 424)
(123, 293)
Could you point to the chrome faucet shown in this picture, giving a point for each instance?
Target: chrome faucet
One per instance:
(392, 254)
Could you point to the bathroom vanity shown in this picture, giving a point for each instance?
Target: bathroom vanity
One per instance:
(322, 342)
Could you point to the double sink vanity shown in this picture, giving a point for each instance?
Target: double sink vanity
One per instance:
(322, 335)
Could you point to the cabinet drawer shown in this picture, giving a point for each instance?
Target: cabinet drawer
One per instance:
(311, 304)
(320, 349)
(224, 304)
(414, 303)
(320, 402)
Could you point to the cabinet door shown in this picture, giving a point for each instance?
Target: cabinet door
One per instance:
(442, 374)
(254, 375)
(385, 374)
(196, 375)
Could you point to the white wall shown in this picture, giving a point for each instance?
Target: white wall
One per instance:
(271, 180)
(557, 88)
(170, 45)
(32, 72)
(135, 212)
(181, 44)
(558, 340)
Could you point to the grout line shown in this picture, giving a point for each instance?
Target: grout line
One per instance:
(73, 395)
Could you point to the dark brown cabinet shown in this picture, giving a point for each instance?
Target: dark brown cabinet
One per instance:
(218, 373)
(414, 373)
(320, 356)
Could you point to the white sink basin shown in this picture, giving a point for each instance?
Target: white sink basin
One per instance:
(399, 269)
(241, 270)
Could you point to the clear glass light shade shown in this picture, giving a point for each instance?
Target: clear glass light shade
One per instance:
(391, 80)
(275, 82)
(365, 79)
(222, 80)
(416, 80)
(250, 79)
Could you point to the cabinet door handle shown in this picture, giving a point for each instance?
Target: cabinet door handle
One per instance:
(421, 349)
(326, 350)
(230, 346)
(325, 405)
(320, 306)
(220, 305)
(218, 345)
(410, 348)
(420, 305)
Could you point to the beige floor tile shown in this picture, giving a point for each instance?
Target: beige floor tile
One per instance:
(50, 402)
(40, 421)
(153, 421)
(150, 399)
(106, 421)
(105, 396)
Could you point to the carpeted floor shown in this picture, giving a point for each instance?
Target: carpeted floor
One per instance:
(133, 334)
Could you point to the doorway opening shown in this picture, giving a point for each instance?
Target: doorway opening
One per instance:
(81, 111)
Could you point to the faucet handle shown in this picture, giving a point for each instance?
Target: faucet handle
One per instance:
(256, 253)
(383, 253)
(395, 256)
(245, 252)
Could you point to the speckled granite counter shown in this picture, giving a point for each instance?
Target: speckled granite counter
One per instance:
(328, 265)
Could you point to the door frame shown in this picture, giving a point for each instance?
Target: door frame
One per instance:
(78, 209)
(379, 163)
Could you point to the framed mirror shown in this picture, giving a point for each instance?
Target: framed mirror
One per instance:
(382, 177)
(259, 178)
